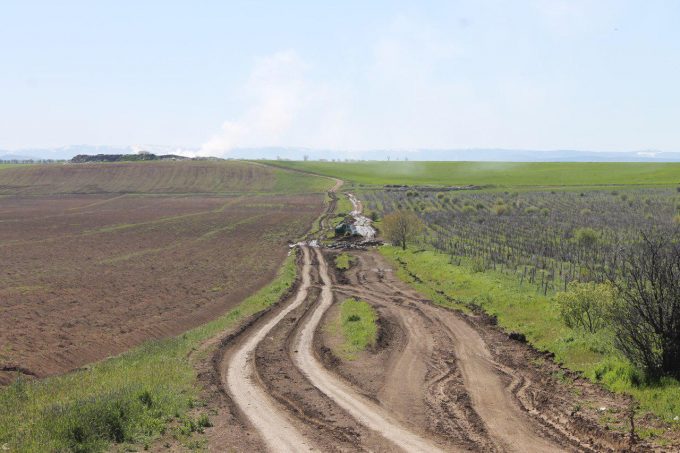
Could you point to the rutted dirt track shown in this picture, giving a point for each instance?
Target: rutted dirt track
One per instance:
(437, 380)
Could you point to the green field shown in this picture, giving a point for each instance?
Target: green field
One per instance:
(499, 174)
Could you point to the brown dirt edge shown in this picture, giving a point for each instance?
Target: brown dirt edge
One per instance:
(545, 407)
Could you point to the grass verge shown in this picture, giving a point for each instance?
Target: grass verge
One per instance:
(131, 398)
(344, 206)
(358, 324)
(523, 309)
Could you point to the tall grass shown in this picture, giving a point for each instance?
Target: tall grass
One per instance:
(129, 398)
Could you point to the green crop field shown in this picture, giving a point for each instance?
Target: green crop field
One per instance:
(498, 174)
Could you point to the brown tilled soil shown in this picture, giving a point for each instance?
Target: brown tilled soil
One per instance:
(88, 276)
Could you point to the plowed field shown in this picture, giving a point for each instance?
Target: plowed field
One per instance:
(84, 276)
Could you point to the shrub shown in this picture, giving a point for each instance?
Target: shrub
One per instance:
(468, 209)
(586, 306)
(501, 209)
(676, 219)
(203, 421)
(646, 317)
(586, 237)
(531, 210)
(478, 265)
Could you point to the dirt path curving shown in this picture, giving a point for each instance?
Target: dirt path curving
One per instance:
(363, 410)
(274, 426)
(437, 380)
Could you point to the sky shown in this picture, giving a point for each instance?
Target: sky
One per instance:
(217, 76)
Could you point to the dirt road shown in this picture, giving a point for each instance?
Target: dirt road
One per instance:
(437, 380)
(363, 410)
(277, 431)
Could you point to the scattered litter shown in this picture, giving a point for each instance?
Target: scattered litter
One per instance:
(676, 418)
(312, 243)
(602, 409)
(361, 222)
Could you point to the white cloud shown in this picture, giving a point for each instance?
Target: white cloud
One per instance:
(287, 108)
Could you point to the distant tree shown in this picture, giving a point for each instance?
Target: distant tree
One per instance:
(646, 316)
(305, 157)
(401, 227)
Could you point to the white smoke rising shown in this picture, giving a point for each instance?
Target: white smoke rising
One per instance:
(286, 106)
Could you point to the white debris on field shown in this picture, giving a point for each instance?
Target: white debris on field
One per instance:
(361, 222)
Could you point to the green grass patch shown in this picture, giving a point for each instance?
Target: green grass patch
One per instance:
(344, 261)
(504, 174)
(358, 324)
(129, 398)
(344, 206)
(524, 309)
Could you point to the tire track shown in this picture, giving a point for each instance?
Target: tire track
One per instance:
(364, 411)
(275, 428)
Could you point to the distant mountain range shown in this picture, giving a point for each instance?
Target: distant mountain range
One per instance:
(507, 155)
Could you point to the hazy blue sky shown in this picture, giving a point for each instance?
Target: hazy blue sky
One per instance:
(544, 74)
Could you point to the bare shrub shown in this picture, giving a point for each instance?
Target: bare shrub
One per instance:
(646, 316)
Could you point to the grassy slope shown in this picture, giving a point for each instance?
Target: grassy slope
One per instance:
(155, 177)
(522, 309)
(496, 173)
(133, 397)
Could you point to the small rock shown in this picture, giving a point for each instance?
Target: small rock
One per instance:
(602, 409)
(676, 418)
